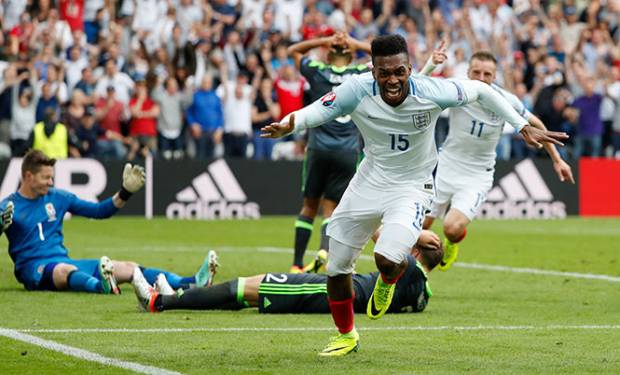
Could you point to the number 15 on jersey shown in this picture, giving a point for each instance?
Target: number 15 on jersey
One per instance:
(399, 142)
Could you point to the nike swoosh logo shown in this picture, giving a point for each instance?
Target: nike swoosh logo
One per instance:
(373, 309)
(372, 117)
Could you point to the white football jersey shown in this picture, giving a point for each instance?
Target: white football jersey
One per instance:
(399, 142)
(474, 133)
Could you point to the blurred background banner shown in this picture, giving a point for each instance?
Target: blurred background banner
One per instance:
(599, 187)
(530, 189)
(248, 189)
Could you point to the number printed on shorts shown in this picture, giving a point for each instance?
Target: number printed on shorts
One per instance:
(276, 278)
(399, 142)
(419, 216)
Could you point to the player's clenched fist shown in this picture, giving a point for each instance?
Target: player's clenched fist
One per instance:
(6, 219)
(133, 177)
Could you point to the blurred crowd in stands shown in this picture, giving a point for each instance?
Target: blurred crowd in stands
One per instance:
(122, 79)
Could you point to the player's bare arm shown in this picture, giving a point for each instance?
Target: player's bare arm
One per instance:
(562, 169)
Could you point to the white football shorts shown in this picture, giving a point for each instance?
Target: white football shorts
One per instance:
(460, 189)
(363, 208)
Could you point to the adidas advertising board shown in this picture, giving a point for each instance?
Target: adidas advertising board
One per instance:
(247, 189)
(225, 189)
(213, 194)
(529, 190)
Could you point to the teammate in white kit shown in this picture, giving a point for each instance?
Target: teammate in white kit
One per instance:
(396, 114)
(467, 158)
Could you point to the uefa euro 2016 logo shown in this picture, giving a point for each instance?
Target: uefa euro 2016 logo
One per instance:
(328, 99)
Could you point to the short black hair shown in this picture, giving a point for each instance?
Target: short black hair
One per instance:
(388, 45)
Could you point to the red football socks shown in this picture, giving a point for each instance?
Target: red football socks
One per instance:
(342, 312)
(391, 281)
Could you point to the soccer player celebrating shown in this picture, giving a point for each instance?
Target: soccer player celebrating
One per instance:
(32, 220)
(467, 158)
(333, 149)
(396, 113)
(275, 293)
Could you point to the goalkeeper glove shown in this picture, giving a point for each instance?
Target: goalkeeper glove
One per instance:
(133, 180)
(6, 218)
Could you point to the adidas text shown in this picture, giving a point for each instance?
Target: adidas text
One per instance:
(214, 194)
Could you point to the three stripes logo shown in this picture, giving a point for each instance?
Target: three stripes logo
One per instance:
(522, 194)
(214, 194)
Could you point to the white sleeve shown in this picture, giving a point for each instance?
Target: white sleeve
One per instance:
(342, 101)
(476, 91)
(515, 102)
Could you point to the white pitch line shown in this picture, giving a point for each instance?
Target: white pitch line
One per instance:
(83, 354)
(536, 271)
(322, 329)
(486, 267)
(478, 266)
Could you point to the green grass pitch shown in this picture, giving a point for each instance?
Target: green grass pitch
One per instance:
(478, 321)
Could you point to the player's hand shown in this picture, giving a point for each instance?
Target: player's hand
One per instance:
(534, 136)
(279, 129)
(133, 177)
(6, 218)
(439, 55)
(429, 239)
(564, 171)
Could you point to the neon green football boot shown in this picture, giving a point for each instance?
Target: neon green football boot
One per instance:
(342, 344)
(380, 300)
(450, 253)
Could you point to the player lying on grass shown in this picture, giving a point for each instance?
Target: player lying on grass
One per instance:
(32, 220)
(467, 158)
(291, 293)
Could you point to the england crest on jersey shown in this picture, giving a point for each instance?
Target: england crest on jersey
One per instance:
(421, 120)
(51, 212)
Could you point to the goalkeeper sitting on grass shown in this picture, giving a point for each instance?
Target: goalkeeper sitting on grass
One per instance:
(299, 293)
(32, 220)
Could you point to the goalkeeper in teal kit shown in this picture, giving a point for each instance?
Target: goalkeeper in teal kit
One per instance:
(32, 218)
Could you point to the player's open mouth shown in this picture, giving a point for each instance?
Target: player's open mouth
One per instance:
(393, 92)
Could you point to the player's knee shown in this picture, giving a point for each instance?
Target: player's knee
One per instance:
(61, 274)
(389, 263)
(123, 270)
(453, 230)
(341, 259)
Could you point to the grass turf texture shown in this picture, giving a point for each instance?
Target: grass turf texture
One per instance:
(462, 297)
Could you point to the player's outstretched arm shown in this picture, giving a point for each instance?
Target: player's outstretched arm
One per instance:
(133, 180)
(490, 99)
(6, 217)
(562, 169)
(342, 101)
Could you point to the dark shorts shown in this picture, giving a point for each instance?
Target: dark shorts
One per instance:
(327, 173)
(37, 274)
(285, 293)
